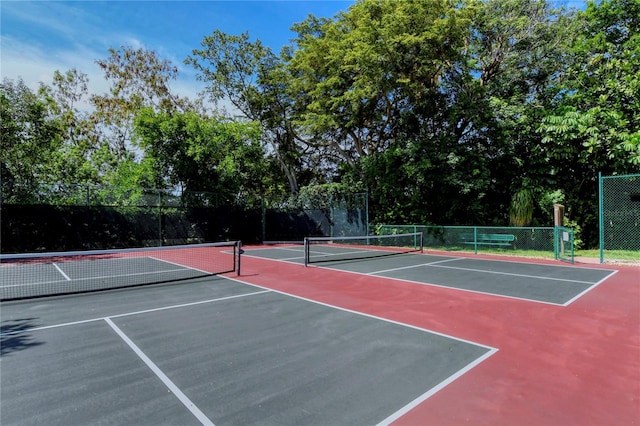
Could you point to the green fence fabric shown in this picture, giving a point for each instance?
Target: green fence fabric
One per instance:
(83, 217)
(42, 228)
(619, 215)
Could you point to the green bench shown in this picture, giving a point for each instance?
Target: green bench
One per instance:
(488, 239)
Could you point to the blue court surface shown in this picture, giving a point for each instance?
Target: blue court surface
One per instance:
(546, 283)
(218, 351)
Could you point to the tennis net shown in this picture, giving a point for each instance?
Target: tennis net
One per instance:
(332, 249)
(47, 274)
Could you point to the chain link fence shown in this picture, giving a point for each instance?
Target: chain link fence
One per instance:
(619, 217)
(546, 242)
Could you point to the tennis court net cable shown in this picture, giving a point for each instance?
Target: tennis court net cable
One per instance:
(334, 249)
(32, 275)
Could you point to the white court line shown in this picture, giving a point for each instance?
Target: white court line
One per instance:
(66, 277)
(126, 314)
(163, 377)
(414, 266)
(588, 289)
(327, 256)
(287, 248)
(296, 250)
(436, 265)
(289, 260)
(363, 314)
(181, 268)
(514, 275)
(432, 391)
(446, 382)
(104, 277)
(447, 287)
(186, 268)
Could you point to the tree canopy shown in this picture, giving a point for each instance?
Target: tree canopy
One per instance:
(445, 112)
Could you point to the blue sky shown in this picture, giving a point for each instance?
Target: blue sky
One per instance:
(39, 37)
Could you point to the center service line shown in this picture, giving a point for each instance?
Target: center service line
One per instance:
(167, 381)
(66, 277)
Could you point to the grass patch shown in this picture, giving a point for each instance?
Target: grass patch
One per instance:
(610, 254)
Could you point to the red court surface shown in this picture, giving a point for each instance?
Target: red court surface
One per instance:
(556, 365)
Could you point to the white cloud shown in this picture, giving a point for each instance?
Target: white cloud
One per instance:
(35, 65)
(42, 37)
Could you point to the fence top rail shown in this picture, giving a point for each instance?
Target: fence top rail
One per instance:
(621, 176)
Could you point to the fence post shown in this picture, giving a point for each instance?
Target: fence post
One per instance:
(600, 217)
(558, 221)
(331, 231)
(475, 240)
(366, 213)
(160, 240)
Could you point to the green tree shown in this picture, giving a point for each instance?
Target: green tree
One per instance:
(518, 52)
(253, 79)
(355, 76)
(372, 94)
(197, 154)
(597, 114)
(30, 139)
(138, 78)
(593, 125)
(432, 106)
(67, 98)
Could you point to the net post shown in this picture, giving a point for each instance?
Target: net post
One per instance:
(421, 242)
(238, 248)
(306, 252)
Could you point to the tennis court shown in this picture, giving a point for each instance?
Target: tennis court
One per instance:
(574, 360)
(184, 336)
(204, 349)
(555, 284)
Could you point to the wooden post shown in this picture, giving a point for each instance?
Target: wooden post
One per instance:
(558, 215)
